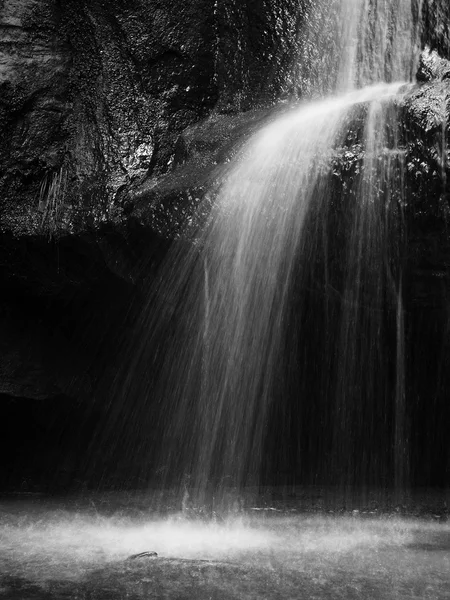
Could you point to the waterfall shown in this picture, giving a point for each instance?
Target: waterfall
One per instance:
(347, 44)
(287, 308)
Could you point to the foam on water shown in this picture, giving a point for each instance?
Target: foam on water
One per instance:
(42, 543)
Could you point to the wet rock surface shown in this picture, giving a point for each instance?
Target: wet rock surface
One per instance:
(95, 96)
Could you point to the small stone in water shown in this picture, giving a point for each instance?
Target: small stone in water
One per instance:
(146, 554)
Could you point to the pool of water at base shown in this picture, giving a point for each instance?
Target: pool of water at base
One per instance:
(80, 548)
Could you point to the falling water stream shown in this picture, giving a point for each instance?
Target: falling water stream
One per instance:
(268, 238)
(289, 298)
(253, 247)
(290, 293)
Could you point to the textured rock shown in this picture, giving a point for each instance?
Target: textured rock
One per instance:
(33, 108)
(436, 29)
(177, 201)
(95, 95)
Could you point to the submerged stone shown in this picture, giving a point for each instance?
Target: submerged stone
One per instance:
(146, 554)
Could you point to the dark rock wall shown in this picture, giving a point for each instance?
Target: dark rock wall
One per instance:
(95, 94)
(88, 91)
(34, 106)
(436, 25)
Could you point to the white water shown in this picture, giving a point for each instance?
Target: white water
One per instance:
(51, 540)
(54, 550)
(254, 245)
(231, 330)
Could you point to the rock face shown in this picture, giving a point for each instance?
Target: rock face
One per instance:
(86, 95)
(116, 118)
(33, 105)
(95, 95)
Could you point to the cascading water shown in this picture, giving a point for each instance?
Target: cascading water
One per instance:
(257, 243)
(271, 349)
(354, 43)
(293, 287)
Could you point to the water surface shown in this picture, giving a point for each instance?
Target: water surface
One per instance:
(80, 549)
